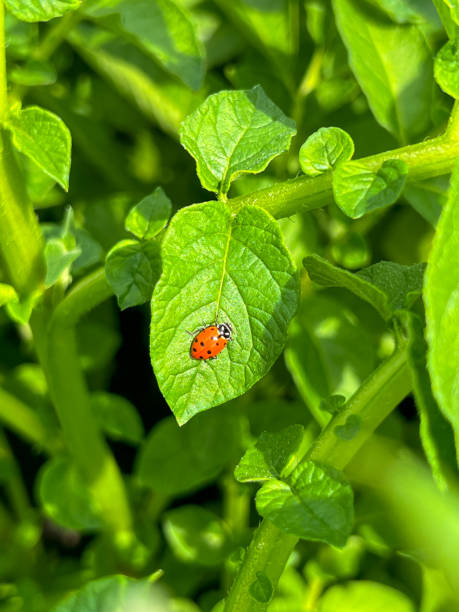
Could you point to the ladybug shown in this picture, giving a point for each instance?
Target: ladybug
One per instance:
(210, 341)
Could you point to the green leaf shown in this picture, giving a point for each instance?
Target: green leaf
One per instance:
(364, 596)
(385, 285)
(407, 11)
(313, 503)
(261, 589)
(236, 269)
(358, 190)
(333, 403)
(324, 149)
(349, 429)
(175, 460)
(436, 434)
(447, 68)
(91, 251)
(234, 132)
(196, 535)
(20, 310)
(393, 65)
(428, 197)
(441, 296)
(132, 269)
(7, 294)
(118, 593)
(58, 259)
(64, 496)
(117, 417)
(40, 10)
(454, 9)
(272, 455)
(162, 29)
(44, 138)
(150, 215)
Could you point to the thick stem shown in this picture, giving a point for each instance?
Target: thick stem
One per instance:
(371, 404)
(425, 160)
(72, 402)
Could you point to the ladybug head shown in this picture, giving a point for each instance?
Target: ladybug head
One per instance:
(225, 330)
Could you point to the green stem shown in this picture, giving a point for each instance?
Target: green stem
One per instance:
(21, 419)
(425, 160)
(71, 398)
(14, 485)
(371, 404)
(56, 34)
(21, 243)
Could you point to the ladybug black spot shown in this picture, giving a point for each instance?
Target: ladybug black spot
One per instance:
(217, 343)
(201, 357)
(196, 341)
(202, 343)
(209, 352)
(194, 350)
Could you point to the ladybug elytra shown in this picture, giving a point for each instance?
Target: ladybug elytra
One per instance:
(210, 341)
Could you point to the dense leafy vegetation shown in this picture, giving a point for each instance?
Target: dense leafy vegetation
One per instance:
(289, 168)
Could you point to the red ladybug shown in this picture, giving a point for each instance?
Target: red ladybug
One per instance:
(210, 341)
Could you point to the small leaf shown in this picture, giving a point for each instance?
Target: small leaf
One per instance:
(314, 503)
(436, 433)
(7, 294)
(40, 10)
(364, 596)
(441, 296)
(447, 68)
(132, 269)
(261, 589)
(118, 593)
(233, 132)
(333, 403)
(350, 428)
(44, 138)
(117, 417)
(196, 535)
(91, 251)
(358, 190)
(236, 269)
(150, 215)
(176, 460)
(385, 285)
(428, 197)
(65, 497)
(20, 310)
(271, 456)
(58, 259)
(324, 149)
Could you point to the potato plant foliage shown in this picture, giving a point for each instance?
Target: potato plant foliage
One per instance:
(288, 168)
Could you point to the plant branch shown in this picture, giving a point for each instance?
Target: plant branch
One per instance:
(426, 159)
(371, 404)
(71, 398)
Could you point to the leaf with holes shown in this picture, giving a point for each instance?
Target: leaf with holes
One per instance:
(233, 132)
(234, 269)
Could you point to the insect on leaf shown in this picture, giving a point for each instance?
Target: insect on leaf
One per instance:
(237, 270)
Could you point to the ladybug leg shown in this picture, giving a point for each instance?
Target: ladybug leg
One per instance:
(196, 331)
